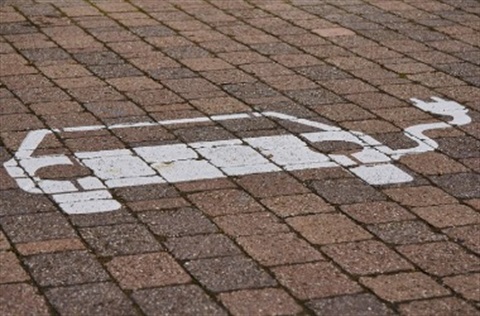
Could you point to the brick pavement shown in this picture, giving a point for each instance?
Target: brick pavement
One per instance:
(312, 241)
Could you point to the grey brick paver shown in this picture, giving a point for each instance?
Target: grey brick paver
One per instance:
(311, 241)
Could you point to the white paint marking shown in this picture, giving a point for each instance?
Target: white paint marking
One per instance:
(166, 153)
(187, 170)
(84, 128)
(90, 207)
(56, 186)
(133, 181)
(313, 165)
(371, 155)
(230, 117)
(342, 160)
(27, 185)
(185, 121)
(111, 167)
(103, 153)
(243, 170)
(232, 156)
(381, 174)
(31, 165)
(216, 159)
(82, 196)
(216, 143)
(91, 183)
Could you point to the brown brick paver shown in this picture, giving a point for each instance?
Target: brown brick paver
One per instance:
(404, 286)
(268, 301)
(146, 270)
(316, 241)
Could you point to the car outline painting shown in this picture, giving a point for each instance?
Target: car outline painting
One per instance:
(181, 162)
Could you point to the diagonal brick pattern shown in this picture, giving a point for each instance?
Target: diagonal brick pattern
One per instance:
(278, 241)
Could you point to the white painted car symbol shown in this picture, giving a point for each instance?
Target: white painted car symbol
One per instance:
(216, 159)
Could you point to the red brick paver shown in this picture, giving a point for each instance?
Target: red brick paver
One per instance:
(294, 240)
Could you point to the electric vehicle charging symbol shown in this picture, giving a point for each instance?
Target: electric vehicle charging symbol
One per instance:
(216, 159)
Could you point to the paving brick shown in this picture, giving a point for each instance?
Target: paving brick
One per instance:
(176, 300)
(146, 193)
(322, 174)
(353, 64)
(19, 122)
(95, 143)
(448, 215)
(279, 249)
(65, 71)
(160, 204)
(100, 219)
(223, 202)
(466, 285)
(466, 236)
(291, 205)
(65, 268)
(375, 100)
(229, 273)
(344, 112)
(311, 98)
(174, 223)
(25, 81)
(269, 301)
(404, 286)
(366, 257)
(395, 140)
(377, 212)
(460, 185)
(346, 191)
(246, 90)
(315, 280)
(443, 306)
(205, 64)
(289, 82)
(37, 227)
(95, 93)
(460, 147)
(257, 223)
(220, 105)
(120, 239)
(432, 164)
(114, 109)
(273, 184)
(348, 86)
(115, 71)
(405, 232)
(21, 299)
(10, 269)
(475, 203)
(134, 83)
(90, 299)
(441, 258)
(358, 304)
(242, 57)
(199, 134)
(12, 106)
(49, 246)
(81, 82)
(146, 270)
(4, 244)
(6, 183)
(201, 246)
(420, 196)
(141, 136)
(327, 228)
(13, 202)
